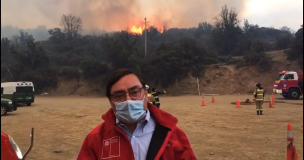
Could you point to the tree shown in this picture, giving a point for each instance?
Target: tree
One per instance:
(175, 60)
(204, 30)
(72, 25)
(33, 64)
(21, 39)
(5, 57)
(152, 31)
(296, 51)
(283, 40)
(287, 29)
(57, 35)
(121, 49)
(246, 26)
(227, 32)
(5, 45)
(33, 58)
(250, 30)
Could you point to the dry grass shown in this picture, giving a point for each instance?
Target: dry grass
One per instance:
(217, 131)
(277, 55)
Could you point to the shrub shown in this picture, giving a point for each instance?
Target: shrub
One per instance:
(69, 72)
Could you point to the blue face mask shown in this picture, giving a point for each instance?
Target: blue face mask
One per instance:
(130, 111)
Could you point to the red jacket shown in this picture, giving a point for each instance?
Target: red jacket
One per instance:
(7, 151)
(108, 141)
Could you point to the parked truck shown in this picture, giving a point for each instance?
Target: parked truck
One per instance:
(18, 92)
(289, 84)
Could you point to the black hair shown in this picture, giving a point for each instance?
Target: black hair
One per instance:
(117, 75)
(153, 89)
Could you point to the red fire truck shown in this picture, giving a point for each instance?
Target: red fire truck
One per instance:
(289, 84)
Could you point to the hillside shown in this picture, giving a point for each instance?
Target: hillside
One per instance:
(64, 65)
(225, 79)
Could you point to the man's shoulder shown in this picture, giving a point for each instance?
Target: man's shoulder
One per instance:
(97, 130)
(177, 131)
(162, 117)
(178, 135)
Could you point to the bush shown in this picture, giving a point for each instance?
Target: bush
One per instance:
(46, 78)
(260, 59)
(4, 71)
(93, 69)
(240, 63)
(283, 41)
(216, 66)
(296, 51)
(69, 72)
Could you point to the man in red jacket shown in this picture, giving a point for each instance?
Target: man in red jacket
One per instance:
(133, 129)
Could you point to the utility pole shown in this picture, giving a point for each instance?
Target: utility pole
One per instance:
(145, 37)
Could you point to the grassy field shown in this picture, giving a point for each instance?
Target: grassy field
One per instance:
(217, 131)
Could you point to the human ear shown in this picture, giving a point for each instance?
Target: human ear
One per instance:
(112, 105)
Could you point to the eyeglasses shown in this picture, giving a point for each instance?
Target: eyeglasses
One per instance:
(122, 95)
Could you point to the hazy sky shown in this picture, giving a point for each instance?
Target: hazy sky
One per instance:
(119, 14)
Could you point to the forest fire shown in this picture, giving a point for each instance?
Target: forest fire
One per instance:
(140, 30)
(137, 30)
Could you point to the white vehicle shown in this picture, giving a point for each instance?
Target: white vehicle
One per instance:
(18, 92)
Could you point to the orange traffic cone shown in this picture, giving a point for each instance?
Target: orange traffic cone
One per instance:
(238, 103)
(272, 99)
(203, 101)
(270, 103)
(213, 99)
(291, 148)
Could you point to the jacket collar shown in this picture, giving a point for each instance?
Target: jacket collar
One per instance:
(161, 117)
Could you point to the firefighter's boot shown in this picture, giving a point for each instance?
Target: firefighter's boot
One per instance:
(261, 112)
(258, 112)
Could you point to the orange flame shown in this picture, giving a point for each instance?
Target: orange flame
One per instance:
(137, 30)
(140, 30)
(161, 29)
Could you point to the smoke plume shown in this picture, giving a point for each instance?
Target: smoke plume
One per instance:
(115, 14)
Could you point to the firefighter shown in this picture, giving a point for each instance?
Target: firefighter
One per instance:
(259, 95)
(150, 97)
(156, 94)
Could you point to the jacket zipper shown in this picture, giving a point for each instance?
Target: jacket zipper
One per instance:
(125, 136)
(162, 148)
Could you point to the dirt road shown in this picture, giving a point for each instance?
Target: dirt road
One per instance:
(217, 131)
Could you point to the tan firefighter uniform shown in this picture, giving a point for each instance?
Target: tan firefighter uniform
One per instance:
(259, 100)
(150, 98)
